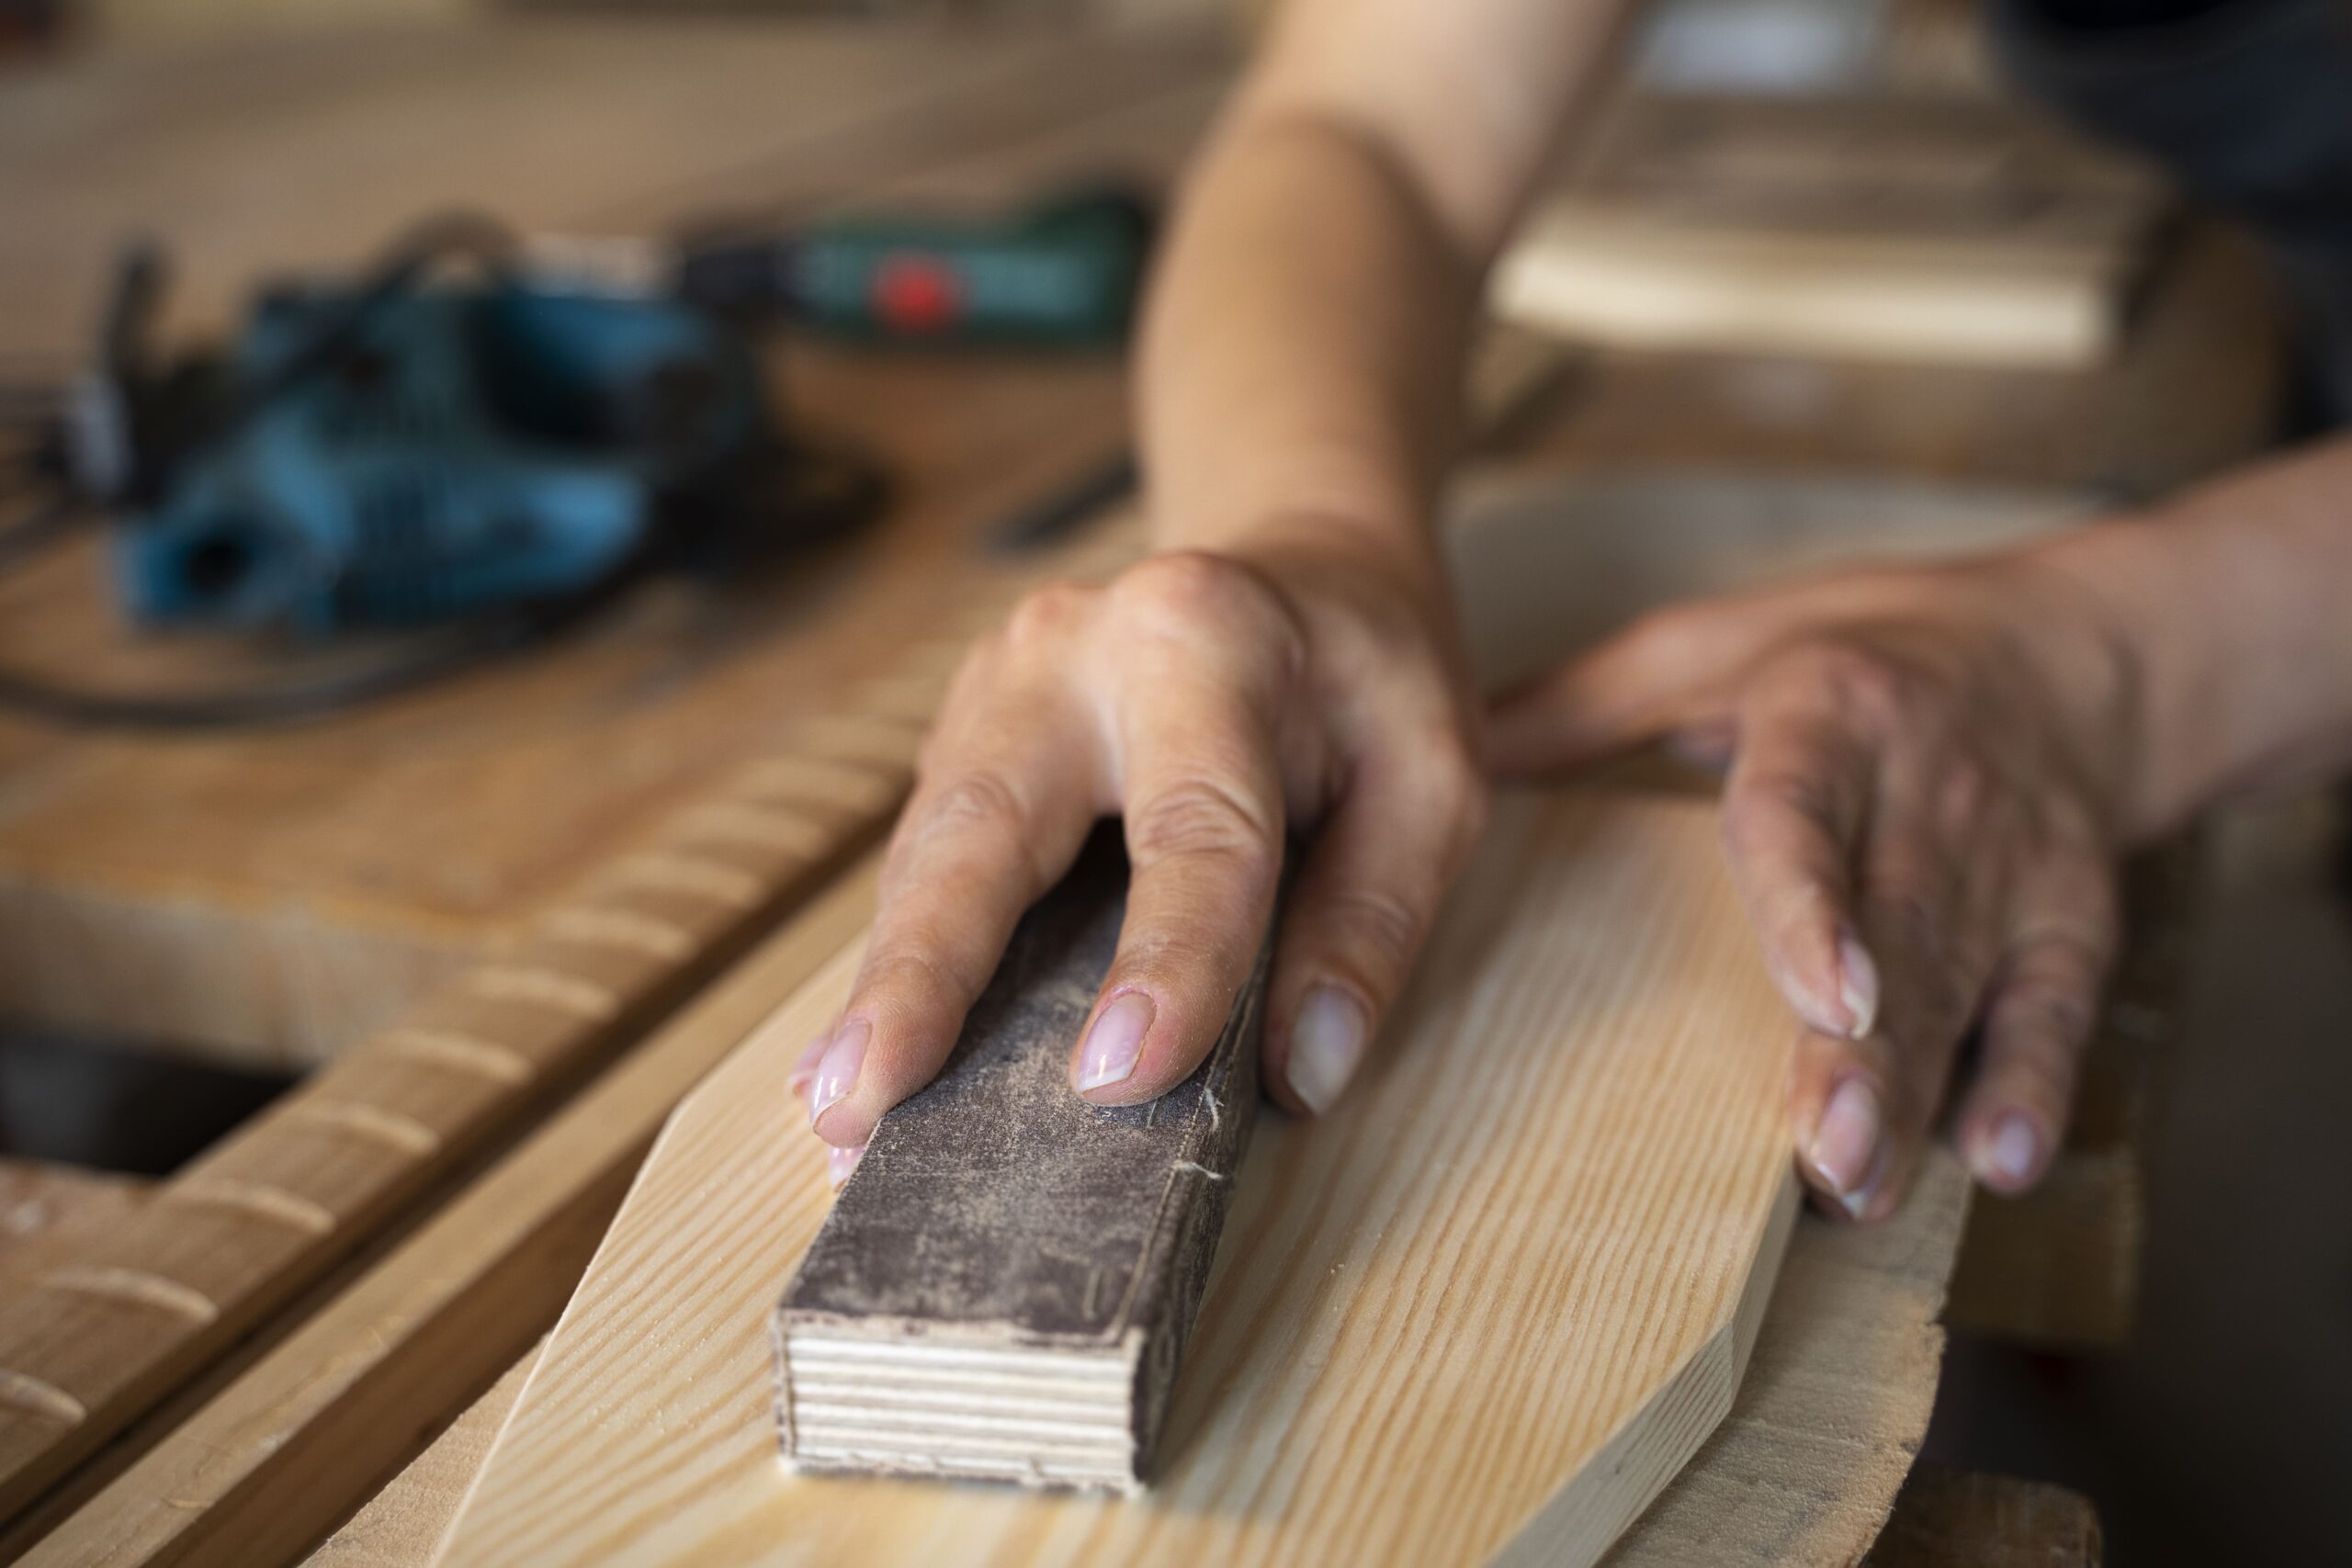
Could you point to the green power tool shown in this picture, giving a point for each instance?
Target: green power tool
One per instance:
(1064, 274)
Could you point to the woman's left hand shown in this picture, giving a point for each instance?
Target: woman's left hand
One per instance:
(1927, 790)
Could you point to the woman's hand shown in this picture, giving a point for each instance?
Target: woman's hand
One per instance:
(1923, 810)
(1216, 702)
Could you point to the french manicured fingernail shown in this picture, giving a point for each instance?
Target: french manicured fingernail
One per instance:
(1115, 1044)
(2011, 1156)
(1327, 1041)
(836, 1072)
(1857, 985)
(806, 1069)
(839, 1163)
(1844, 1151)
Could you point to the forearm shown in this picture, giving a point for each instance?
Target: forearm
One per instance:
(2233, 607)
(1303, 354)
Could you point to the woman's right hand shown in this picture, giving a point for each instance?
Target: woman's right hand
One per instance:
(1215, 702)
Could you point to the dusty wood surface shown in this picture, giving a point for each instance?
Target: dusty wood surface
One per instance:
(276, 897)
(1456, 1248)
(1837, 1391)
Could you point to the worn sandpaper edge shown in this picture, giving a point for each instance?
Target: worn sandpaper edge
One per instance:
(1229, 1102)
(1197, 1230)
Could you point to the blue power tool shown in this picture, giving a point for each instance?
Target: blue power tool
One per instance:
(402, 451)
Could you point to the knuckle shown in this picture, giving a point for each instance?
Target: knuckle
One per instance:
(1201, 818)
(1909, 904)
(1382, 932)
(1856, 677)
(2059, 1015)
(1186, 590)
(1048, 615)
(1663, 640)
(1452, 781)
(1758, 814)
(975, 799)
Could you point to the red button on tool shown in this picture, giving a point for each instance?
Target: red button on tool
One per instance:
(915, 293)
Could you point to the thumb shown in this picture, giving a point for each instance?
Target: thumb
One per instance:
(1663, 674)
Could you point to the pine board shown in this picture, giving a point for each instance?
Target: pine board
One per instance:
(1799, 1475)
(1893, 228)
(1472, 1313)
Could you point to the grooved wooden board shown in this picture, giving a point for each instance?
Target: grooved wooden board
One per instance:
(1486, 1309)
(102, 1316)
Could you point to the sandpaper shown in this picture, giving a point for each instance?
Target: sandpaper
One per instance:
(1004, 1285)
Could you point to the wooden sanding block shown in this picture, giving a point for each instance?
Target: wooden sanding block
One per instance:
(1004, 1285)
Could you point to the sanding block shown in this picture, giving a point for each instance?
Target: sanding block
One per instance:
(1004, 1285)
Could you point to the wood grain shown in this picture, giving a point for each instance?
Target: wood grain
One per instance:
(1800, 1475)
(401, 1526)
(1436, 1320)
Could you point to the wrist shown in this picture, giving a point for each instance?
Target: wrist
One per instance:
(1358, 584)
(2096, 613)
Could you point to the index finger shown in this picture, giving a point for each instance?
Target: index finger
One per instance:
(1005, 802)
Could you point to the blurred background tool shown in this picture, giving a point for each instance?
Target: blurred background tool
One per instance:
(412, 450)
(1065, 274)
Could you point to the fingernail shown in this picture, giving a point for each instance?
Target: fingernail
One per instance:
(839, 1163)
(837, 1068)
(1115, 1044)
(806, 1068)
(1327, 1041)
(2011, 1156)
(1845, 1145)
(1857, 985)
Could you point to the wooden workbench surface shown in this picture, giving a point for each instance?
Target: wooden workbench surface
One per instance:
(279, 897)
(276, 897)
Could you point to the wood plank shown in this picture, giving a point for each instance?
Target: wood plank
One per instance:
(1916, 229)
(1834, 1404)
(260, 1473)
(402, 1525)
(1459, 1248)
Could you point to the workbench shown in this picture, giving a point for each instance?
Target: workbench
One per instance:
(471, 915)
